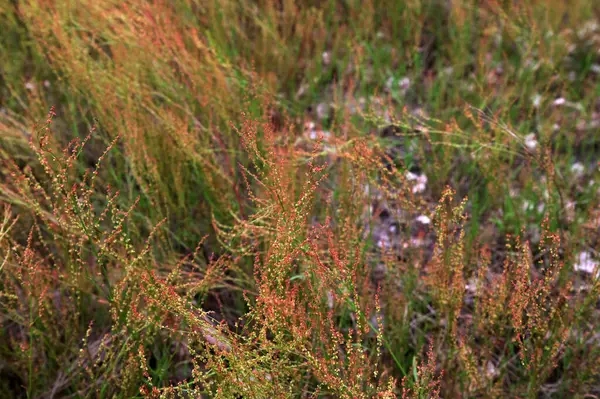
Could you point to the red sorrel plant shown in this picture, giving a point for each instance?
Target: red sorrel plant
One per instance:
(311, 280)
(541, 313)
(427, 381)
(311, 311)
(522, 319)
(445, 272)
(77, 264)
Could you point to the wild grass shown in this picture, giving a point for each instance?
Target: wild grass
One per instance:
(275, 199)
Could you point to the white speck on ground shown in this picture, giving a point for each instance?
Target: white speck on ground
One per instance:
(559, 101)
(530, 142)
(577, 168)
(404, 83)
(423, 219)
(420, 182)
(586, 264)
(322, 111)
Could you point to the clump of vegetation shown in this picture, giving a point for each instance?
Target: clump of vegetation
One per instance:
(270, 200)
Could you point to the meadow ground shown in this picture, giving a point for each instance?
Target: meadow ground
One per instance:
(311, 199)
